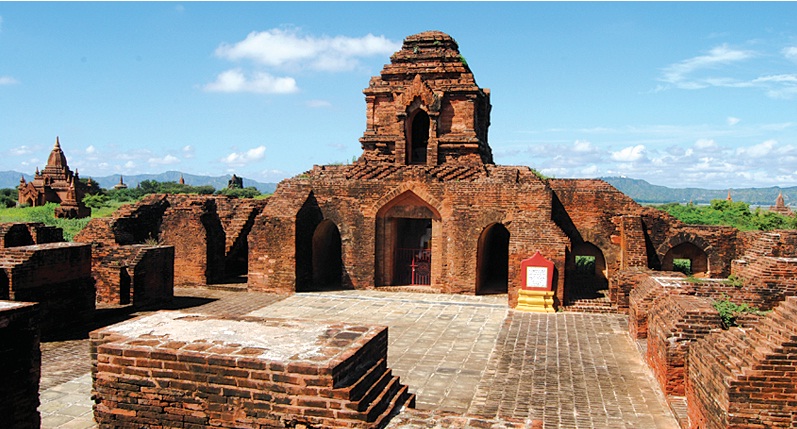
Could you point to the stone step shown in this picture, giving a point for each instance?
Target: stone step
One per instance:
(359, 388)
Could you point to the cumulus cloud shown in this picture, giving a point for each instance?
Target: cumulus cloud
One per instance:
(630, 154)
(732, 121)
(286, 47)
(8, 80)
(243, 158)
(705, 144)
(188, 151)
(166, 160)
(91, 150)
(760, 150)
(258, 82)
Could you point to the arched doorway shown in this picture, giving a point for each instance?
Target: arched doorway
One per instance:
(687, 258)
(327, 259)
(407, 230)
(418, 138)
(586, 273)
(492, 260)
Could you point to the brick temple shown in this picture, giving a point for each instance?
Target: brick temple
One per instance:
(56, 184)
(426, 206)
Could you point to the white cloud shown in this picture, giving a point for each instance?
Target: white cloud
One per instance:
(732, 121)
(243, 158)
(258, 82)
(629, 154)
(679, 74)
(583, 146)
(286, 47)
(130, 165)
(21, 150)
(8, 80)
(705, 144)
(760, 150)
(91, 150)
(188, 151)
(790, 53)
(166, 160)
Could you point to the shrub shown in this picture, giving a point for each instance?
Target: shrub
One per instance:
(729, 311)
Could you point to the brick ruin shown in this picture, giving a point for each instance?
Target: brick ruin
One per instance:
(20, 365)
(56, 184)
(183, 370)
(208, 233)
(742, 377)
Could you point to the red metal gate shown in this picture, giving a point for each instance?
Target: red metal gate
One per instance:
(414, 267)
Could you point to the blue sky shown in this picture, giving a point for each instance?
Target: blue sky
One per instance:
(679, 94)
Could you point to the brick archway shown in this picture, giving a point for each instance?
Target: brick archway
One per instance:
(689, 246)
(408, 235)
(492, 260)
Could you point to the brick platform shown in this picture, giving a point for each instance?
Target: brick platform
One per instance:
(191, 370)
(20, 365)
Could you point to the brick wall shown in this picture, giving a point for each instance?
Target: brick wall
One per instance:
(20, 365)
(187, 370)
(141, 275)
(361, 199)
(57, 276)
(644, 295)
(746, 378)
(27, 233)
(676, 322)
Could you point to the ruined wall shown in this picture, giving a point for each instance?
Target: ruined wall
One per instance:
(768, 268)
(587, 214)
(57, 276)
(467, 199)
(28, 233)
(675, 323)
(136, 274)
(237, 216)
(20, 365)
(746, 378)
(192, 226)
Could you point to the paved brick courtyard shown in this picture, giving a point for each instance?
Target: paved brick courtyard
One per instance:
(457, 353)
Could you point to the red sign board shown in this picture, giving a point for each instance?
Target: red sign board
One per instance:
(537, 273)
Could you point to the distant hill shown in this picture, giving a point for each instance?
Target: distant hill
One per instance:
(643, 192)
(10, 179)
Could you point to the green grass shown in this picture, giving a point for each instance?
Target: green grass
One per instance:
(46, 215)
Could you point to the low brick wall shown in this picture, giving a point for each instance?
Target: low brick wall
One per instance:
(675, 322)
(188, 370)
(746, 377)
(20, 365)
(141, 275)
(643, 297)
(57, 276)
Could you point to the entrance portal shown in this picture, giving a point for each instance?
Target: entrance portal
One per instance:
(413, 252)
(586, 273)
(698, 260)
(492, 260)
(327, 260)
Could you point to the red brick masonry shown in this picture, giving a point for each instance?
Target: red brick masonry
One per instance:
(186, 370)
(20, 365)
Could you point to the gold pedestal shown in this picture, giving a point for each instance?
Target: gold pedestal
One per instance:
(535, 301)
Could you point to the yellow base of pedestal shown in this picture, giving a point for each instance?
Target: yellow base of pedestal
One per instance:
(535, 301)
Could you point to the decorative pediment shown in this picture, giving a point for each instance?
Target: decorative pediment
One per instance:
(419, 89)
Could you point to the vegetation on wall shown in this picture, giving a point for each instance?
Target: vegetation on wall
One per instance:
(730, 213)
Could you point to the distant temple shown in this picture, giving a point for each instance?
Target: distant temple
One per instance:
(235, 182)
(780, 206)
(56, 184)
(121, 184)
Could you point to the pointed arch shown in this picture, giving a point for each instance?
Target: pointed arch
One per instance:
(417, 137)
(492, 260)
(692, 247)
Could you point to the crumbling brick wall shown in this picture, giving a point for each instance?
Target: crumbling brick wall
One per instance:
(237, 216)
(57, 276)
(28, 233)
(141, 275)
(192, 226)
(675, 323)
(746, 377)
(20, 365)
